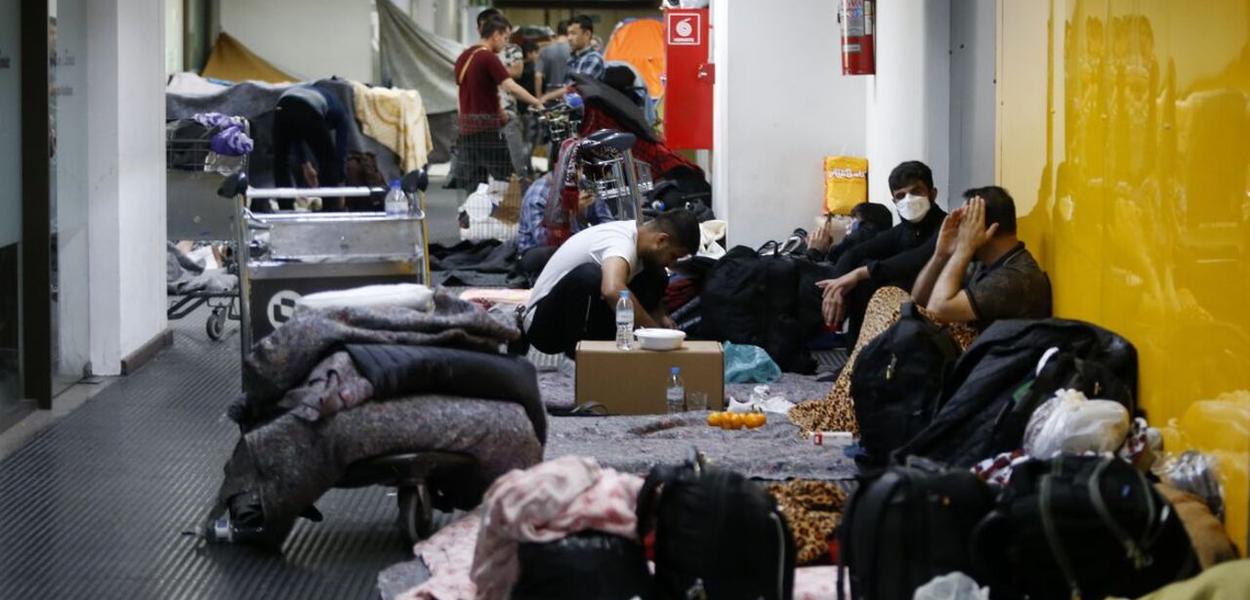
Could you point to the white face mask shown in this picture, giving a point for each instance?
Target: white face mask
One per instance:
(913, 207)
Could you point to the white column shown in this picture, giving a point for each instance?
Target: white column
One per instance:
(126, 177)
(908, 107)
(780, 106)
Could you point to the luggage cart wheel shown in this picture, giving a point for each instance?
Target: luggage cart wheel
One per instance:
(416, 513)
(216, 323)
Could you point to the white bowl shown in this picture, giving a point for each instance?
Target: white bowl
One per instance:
(660, 339)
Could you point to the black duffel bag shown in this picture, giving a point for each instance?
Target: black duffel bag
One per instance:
(905, 525)
(587, 565)
(1081, 527)
(718, 535)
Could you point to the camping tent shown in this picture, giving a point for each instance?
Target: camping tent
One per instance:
(230, 60)
(640, 42)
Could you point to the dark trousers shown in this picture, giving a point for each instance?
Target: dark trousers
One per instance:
(295, 123)
(856, 305)
(575, 310)
(533, 261)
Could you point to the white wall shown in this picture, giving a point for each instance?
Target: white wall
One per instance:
(974, 26)
(173, 35)
(778, 114)
(126, 177)
(908, 107)
(309, 39)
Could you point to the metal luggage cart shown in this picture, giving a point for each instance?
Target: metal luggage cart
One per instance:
(293, 254)
(194, 212)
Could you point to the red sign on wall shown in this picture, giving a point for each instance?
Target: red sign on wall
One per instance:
(688, 80)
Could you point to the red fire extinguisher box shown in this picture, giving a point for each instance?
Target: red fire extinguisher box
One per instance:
(689, 78)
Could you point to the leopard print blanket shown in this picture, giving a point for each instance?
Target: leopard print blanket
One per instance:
(837, 411)
(813, 510)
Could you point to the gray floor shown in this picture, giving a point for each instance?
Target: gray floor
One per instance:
(95, 504)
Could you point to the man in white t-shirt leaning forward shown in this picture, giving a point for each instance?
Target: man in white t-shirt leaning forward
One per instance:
(575, 297)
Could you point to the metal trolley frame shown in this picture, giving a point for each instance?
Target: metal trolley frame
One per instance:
(248, 223)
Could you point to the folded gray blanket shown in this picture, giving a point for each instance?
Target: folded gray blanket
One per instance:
(283, 359)
(292, 462)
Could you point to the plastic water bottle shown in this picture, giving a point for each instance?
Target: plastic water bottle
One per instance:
(396, 204)
(675, 394)
(624, 322)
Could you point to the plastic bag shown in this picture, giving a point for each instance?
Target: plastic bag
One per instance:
(846, 183)
(1071, 424)
(749, 364)
(1194, 472)
(951, 586)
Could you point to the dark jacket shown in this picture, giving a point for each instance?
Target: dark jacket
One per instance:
(866, 231)
(896, 256)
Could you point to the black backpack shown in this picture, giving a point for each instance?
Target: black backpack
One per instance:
(1081, 526)
(717, 535)
(588, 565)
(897, 382)
(753, 299)
(905, 525)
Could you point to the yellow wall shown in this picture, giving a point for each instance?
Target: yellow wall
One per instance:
(1124, 135)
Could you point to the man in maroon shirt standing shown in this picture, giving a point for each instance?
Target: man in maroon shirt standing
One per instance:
(480, 75)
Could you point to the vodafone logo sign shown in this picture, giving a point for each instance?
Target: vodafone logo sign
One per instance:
(684, 29)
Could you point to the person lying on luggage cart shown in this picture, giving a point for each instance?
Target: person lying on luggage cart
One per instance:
(307, 119)
(575, 297)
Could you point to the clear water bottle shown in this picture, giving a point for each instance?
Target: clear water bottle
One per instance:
(396, 203)
(624, 322)
(675, 394)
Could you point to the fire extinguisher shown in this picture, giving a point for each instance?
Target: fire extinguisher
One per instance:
(856, 18)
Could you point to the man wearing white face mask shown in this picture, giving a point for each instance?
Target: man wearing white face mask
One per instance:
(892, 258)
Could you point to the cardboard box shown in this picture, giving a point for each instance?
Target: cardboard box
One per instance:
(633, 382)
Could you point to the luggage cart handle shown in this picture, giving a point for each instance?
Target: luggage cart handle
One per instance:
(237, 184)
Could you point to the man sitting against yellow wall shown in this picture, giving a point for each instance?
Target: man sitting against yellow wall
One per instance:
(980, 271)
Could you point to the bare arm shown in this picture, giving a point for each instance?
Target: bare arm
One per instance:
(947, 242)
(515, 89)
(552, 95)
(538, 82)
(948, 301)
(928, 278)
(616, 279)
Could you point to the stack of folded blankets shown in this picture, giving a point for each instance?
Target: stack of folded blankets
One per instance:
(374, 372)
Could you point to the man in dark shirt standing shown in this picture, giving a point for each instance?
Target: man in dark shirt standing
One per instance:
(980, 271)
(893, 258)
(480, 75)
(553, 62)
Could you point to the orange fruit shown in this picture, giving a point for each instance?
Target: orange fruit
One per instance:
(740, 420)
(714, 419)
(727, 421)
(756, 420)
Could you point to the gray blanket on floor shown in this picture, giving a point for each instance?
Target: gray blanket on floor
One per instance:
(292, 462)
(635, 444)
(283, 359)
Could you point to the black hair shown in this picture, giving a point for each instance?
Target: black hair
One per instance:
(528, 46)
(999, 207)
(681, 225)
(912, 171)
(876, 216)
(584, 22)
(562, 28)
(494, 25)
(486, 14)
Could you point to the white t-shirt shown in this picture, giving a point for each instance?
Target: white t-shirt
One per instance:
(596, 244)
